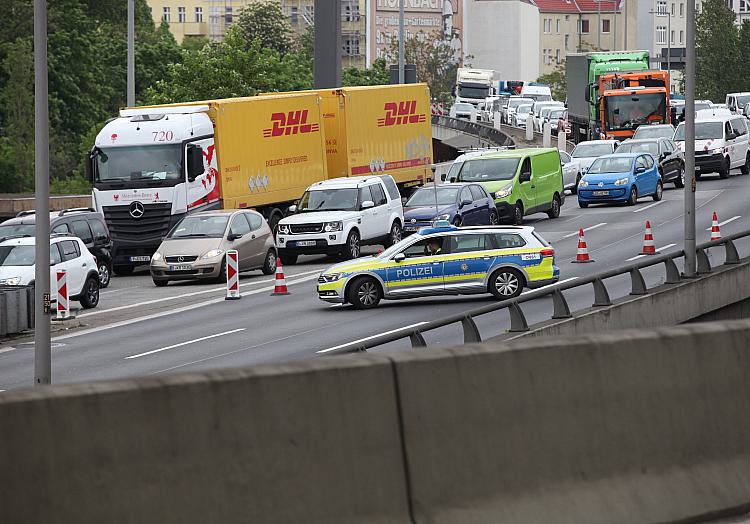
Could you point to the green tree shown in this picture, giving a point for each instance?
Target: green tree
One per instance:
(265, 21)
(557, 81)
(194, 43)
(718, 67)
(375, 75)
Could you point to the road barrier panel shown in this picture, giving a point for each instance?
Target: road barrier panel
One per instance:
(63, 298)
(233, 275)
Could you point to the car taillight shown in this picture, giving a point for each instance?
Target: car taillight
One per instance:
(547, 252)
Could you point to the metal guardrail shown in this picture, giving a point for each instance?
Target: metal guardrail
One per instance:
(491, 134)
(561, 310)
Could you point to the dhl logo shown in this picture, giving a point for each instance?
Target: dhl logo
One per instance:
(290, 123)
(401, 113)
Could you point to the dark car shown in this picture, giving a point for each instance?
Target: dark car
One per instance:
(84, 223)
(460, 204)
(669, 158)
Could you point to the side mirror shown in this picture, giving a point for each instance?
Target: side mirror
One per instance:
(88, 167)
(731, 136)
(452, 179)
(639, 170)
(443, 177)
(403, 201)
(400, 257)
(194, 162)
(465, 202)
(233, 236)
(367, 204)
(433, 167)
(293, 208)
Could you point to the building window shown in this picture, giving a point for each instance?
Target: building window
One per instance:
(547, 26)
(583, 27)
(661, 7)
(682, 33)
(744, 6)
(661, 34)
(671, 37)
(165, 14)
(682, 9)
(351, 46)
(672, 8)
(199, 14)
(228, 15)
(558, 26)
(557, 56)
(730, 4)
(294, 16)
(567, 42)
(181, 15)
(351, 12)
(605, 25)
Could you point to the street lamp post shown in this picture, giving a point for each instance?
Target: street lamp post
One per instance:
(690, 255)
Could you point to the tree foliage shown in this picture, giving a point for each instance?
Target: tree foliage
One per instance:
(557, 82)
(721, 64)
(265, 22)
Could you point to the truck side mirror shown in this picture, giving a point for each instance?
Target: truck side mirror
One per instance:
(88, 168)
(194, 161)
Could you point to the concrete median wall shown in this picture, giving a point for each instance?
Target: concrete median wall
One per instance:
(646, 427)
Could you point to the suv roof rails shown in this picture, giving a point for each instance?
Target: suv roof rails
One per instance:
(75, 210)
(11, 237)
(25, 213)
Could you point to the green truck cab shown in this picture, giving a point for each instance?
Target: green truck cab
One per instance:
(522, 181)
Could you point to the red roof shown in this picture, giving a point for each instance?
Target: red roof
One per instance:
(576, 6)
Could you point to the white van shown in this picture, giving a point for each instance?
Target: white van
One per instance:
(737, 101)
(539, 93)
(721, 144)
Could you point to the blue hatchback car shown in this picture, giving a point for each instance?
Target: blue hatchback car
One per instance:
(622, 178)
(459, 204)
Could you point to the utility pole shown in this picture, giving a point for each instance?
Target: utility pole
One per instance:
(327, 63)
(401, 41)
(599, 23)
(42, 343)
(690, 262)
(131, 54)
(625, 15)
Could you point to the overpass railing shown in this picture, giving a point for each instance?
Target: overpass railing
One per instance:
(496, 136)
(560, 308)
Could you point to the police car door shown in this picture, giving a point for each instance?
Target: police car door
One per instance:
(420, 273)
(471, 257)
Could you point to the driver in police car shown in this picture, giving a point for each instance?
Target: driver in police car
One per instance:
(433, 247)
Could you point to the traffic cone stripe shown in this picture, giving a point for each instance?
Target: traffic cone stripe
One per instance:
(583, 252)
(280, 285)
(648, 241)
(715, 229)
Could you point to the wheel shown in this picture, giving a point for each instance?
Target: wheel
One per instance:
(494, 218)
(583, 205)
(90, 293)
(269, 264)
(457, 221)
(105, 274)
(288, 259)
(745, 168)
(222, 276)
(574, 190)
(352, 247)
(394, 236)
(123, 271)
(633, 198)
(554, 211)
(274, 219)
(159, 282)
(518, 214)
(659, 191)
(724, 170)
(679, 182)
(364, 293)
(506, 283)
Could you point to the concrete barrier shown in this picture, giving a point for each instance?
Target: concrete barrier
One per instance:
(312, 442)
(16, 309)
(621, 428)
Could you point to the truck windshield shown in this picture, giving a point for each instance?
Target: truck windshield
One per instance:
(625, 112)
(16, 255)
(7, 230)
(742, 100)
(197, 226)
(329, 200)
(703, 131)
(473, 92)
(489, 169)
(610, 165)
(427, 196)
(139, 163)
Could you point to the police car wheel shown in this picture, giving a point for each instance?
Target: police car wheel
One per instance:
(364, 293)
(506, 283)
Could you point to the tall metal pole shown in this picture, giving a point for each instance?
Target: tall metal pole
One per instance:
(42, 344)
(131, 54)
(669, 51)
(599, 23)
(625, 14)
(690, 258)
(401, 41)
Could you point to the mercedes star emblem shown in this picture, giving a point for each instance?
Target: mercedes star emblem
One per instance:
(137, 210)
(180, 259)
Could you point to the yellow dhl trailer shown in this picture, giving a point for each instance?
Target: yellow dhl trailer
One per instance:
(253, 152)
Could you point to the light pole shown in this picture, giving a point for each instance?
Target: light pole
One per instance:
(690, 258)
(401, 78)
(131, 55)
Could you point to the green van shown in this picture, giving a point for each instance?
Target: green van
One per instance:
(522, 181)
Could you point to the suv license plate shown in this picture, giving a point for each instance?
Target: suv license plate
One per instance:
(180, 268)
(143, 258)
(601, 193)
(303, 243)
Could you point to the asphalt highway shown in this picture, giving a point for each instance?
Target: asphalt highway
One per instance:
(139, 329)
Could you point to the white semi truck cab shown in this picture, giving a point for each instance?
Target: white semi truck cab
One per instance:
(473, 85)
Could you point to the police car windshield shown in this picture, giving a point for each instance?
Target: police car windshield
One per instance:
(395, 248)
(211, 226)
(427, 196)
(489, 169)
(344, 199)
(611, 165)
(7, 230)
(16, 255)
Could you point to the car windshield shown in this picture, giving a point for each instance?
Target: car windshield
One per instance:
(556, 114)
(198, 226)
(489, 169)
(639, 147)
(625, 112)
(523, 110)
(742, 100)
(16, 255)
(329, 200)
(473, 92)
(703, 131)
(515, 102)
(139, 163)
(592, 150)
(654, 132)
(7, 230)
(426, 196)
(611, 165)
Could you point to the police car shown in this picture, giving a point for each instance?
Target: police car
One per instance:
(445, 260)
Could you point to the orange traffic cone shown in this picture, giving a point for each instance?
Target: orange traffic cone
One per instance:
(648, 241)
(583, 251)
(715, 230)
(280, 286)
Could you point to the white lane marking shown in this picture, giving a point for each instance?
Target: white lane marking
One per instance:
(726, 221)
(185, 295)
(174, 311)
(6, 349)
(647, 207)
(1, 390)
(549, 285)
(658, 250)
(108, 291)
(186, 343)
(373, 336)
(575, 233)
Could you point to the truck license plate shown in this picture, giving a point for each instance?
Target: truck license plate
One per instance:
(601, 193)
(180, 268)
(142, 258)
(303, 243)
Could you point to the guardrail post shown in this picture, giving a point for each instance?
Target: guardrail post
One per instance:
(417, 340)
(601, 296)
(732, 257)
(637, 284)
(517, 318)
(673, 274)
(471, 332)
(704, 265)
(561, 308)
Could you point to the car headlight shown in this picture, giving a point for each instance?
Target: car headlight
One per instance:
(12, 281)
(333, 226)
(284, 229)
(331, 277)
(717, 151)
(444, 216)
(583, 183)
(504, 192)
(212, 254)
(621, 181)
(156, 257)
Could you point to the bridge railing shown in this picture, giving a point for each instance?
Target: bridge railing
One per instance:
(560, 308)
(496, 136)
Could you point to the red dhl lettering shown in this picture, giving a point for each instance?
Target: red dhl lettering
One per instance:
(401, 113)
(290, 123)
